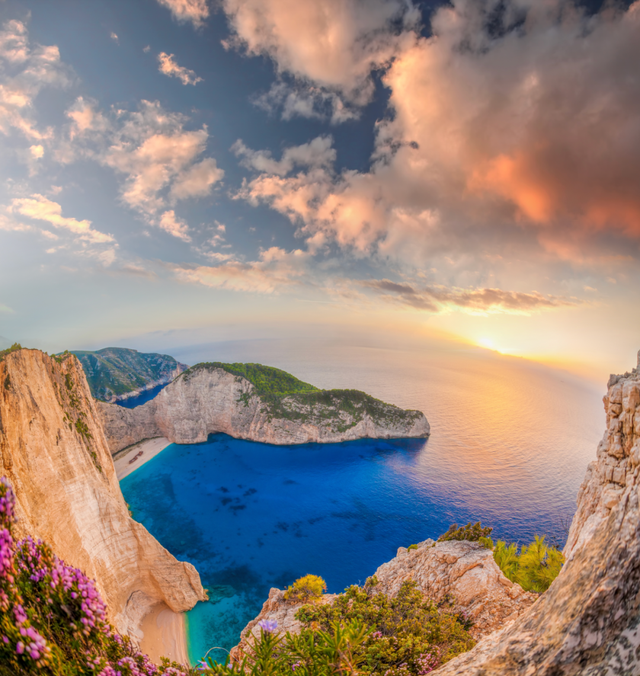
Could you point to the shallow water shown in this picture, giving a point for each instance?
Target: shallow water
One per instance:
(510, 443)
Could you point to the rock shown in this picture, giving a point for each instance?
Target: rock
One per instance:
(464, 571)
(209, 400)
(54, 453)
(588, 621)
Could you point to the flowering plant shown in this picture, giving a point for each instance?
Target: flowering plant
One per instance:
(52, 618)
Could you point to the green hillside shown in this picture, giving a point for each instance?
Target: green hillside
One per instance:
(114, 371)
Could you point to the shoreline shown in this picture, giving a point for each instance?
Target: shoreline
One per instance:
(149, 449)
(164, 635)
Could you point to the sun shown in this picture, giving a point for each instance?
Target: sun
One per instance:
(488, 343)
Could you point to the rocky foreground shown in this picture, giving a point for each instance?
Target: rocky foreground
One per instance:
(207, 399)
(588, 622)
(54, 453)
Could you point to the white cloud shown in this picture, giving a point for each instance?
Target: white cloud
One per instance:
(275, 269)
(39, 208)
(174, 226)
(37, 151)
(169, 67)
(37, 67)
(114, 37)
(159, 159)
(317, 153)
(331, 44)
(195, 11)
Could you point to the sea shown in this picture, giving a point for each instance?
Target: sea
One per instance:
(510, 442)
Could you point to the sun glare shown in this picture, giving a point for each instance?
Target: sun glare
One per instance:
(488, 343)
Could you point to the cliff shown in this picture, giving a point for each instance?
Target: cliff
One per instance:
(588, 622)
(117, 373)
(275, 408)
(54, 453)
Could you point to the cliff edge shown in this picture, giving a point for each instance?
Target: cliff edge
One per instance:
(259, 403)
(588, 622)
(54, 453)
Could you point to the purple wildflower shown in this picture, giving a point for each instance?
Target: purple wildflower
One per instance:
(268, 626)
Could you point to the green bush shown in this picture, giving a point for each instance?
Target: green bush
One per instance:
(307, 588)
(468, 532)
(14, 348)
(534, 568)
(412, 547)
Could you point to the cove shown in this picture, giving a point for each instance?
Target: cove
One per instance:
(252, 516)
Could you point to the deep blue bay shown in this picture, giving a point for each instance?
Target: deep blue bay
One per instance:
(510, 443)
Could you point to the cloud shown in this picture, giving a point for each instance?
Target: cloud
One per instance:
(39, 208)
(158, 158)
(274, 270)
(195, 11)
(26, 70)
(514, 130)
(170, 68)
(114, 37)
(332, 44)
(317, 153)
(85, 118)
(295, 99)
(474, 301)
(174, 226)
(37, 151)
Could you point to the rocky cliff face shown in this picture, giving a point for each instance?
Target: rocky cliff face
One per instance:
(53, 451)
(205, 401)
(588, 622)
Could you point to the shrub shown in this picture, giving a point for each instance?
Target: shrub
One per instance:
(52, 619)
(412, 547)
(468, 532)
(534, 569)
(307, 588)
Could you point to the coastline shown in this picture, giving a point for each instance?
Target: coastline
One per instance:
(164, 635)
(149, 448)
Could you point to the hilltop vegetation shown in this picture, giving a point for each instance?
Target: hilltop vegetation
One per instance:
(286, 397)
(14, 348)
(115, 371)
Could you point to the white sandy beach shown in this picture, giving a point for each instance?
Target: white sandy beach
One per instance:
(165, 635)
(149, 448)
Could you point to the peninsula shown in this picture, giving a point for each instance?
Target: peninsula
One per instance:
(257, 403)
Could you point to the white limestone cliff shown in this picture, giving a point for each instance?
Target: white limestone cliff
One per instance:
(205, 401)
(54, 453)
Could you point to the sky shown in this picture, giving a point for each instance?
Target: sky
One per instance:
(464, 171)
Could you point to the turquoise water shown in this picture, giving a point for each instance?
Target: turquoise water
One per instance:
(509, 445)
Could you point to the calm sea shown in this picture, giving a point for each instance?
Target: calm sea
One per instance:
(510, 442)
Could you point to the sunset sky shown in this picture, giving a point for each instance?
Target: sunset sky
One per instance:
(466, 170)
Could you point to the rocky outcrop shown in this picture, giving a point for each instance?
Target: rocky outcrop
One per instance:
(588, 622)
(463, 571)
(209, 400)
(54, 453)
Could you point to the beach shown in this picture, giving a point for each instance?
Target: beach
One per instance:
(164, 635)
(147, 449)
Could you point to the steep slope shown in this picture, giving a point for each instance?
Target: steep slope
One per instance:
(54, 453)
(588, 622)
(275, 408)
(117, 373)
